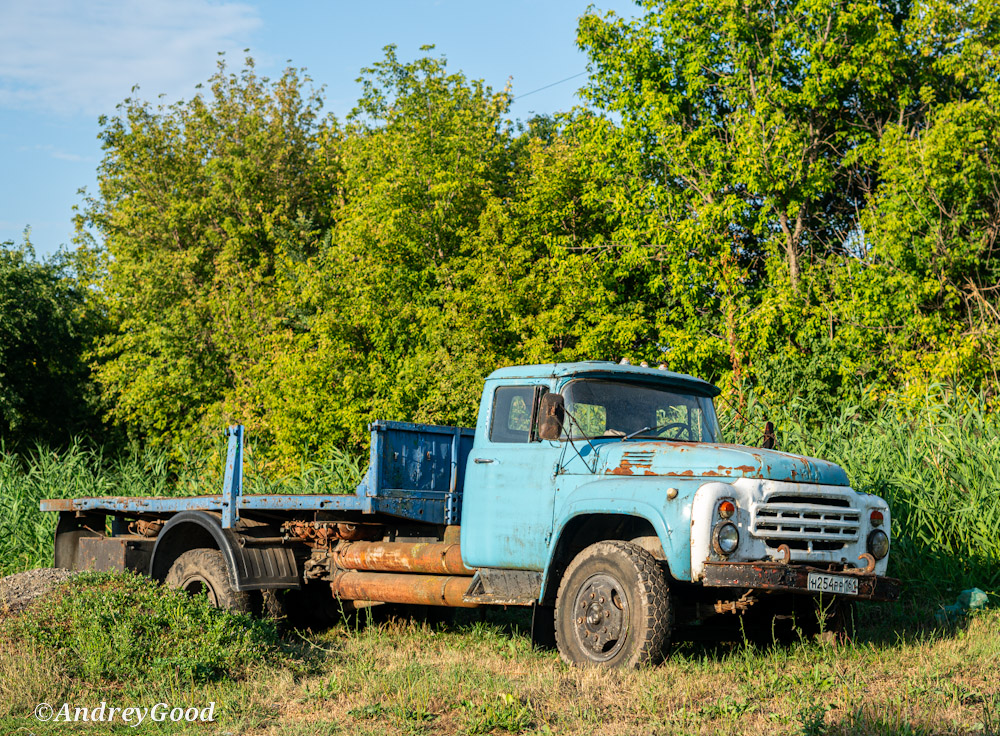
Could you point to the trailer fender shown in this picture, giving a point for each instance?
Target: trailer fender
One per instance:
(251, 566)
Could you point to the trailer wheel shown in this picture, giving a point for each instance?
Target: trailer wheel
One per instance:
(204, 571)
(613, 607)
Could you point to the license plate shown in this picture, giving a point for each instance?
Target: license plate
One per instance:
(837, 584)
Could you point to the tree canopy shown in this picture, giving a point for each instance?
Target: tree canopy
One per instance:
(47, 327)
(794, 197)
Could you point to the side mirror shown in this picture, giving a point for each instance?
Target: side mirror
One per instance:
(551, 414)
(770, 438)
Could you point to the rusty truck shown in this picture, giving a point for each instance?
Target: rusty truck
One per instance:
(601, 495)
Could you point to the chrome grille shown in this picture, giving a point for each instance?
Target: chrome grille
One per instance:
(806, 522)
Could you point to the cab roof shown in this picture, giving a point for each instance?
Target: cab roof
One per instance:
(607, 369)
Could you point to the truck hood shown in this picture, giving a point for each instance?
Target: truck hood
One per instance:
(708, 460)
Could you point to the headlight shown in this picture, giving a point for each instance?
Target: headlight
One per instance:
(726, 538)
(878, 544)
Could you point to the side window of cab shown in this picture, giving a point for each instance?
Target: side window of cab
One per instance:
(513, 410)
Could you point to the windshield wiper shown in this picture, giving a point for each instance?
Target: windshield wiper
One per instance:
(656, 430)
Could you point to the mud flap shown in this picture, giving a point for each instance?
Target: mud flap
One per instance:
(543, 626)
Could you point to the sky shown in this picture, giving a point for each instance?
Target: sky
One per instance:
(64, 63)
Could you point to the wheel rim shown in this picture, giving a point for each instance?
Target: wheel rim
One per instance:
(601, 617)
(196, 585)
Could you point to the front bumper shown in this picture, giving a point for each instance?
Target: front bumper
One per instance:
(779, 576)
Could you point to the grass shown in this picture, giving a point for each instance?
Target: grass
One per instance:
(902, 675)
(128, 629)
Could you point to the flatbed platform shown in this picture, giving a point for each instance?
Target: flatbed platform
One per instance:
(416, 471)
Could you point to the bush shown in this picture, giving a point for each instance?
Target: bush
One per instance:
(129, 629)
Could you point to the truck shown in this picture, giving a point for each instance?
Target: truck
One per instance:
(599, 494)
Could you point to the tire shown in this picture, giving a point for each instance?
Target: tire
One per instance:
(622, 585)
(204, 571)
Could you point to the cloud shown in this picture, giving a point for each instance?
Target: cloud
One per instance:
(70, 57)
(57, 153)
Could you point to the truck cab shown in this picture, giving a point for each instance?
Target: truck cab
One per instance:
(635, 455)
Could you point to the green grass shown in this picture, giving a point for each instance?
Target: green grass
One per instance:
(901, 675)
(129, 630)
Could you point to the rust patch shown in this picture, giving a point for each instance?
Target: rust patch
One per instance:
(650, 472)
(624, 468)
(686, 473)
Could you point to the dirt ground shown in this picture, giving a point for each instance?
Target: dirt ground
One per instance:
(17, 591)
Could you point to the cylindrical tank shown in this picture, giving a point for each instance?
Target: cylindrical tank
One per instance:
(435, 558)
(425, 590)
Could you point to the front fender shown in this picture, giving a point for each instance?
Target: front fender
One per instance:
(644, 498)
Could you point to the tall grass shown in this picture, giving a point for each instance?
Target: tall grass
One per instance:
(937, 464)
(26, 533)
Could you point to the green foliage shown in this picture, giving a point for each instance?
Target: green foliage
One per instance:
(46, 326)
(818, 176)
(128, 629)
(198, 204)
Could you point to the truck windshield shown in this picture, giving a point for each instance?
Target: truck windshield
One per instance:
(638, 410)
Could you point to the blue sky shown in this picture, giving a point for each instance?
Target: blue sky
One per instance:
(63, 63)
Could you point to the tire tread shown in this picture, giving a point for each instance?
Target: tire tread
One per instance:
(652, 593)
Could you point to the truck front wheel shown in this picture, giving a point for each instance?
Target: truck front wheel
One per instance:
(613, 607)
(204, 571)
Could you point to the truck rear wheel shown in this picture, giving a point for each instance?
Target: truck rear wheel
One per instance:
(204, 571)
(613, 607)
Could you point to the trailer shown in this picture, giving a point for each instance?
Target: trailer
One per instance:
(600, 495)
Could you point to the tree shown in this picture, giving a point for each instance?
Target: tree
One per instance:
(46, 327)
(770, 137)
(198, 201)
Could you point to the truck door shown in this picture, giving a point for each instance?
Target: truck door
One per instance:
(509, 485)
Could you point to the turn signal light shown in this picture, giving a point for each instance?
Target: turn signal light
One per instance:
(727, 509)
(876, 518)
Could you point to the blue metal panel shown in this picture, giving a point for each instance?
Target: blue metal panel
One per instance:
(284, 502)
(416, 471)
(232, 486)
(507, 513)
(417, 457)
(642, 497)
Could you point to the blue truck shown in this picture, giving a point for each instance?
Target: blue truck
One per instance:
(599, 494)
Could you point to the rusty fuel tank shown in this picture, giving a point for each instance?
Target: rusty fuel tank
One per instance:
(425, 590)
(435, 558)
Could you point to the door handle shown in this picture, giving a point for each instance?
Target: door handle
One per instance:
(483, 460)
